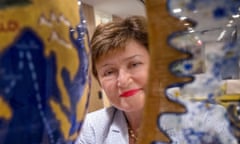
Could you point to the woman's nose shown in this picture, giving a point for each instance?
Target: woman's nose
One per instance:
(123, 78)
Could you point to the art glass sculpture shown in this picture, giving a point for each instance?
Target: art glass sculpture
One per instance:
(44, 75)
(194, 88)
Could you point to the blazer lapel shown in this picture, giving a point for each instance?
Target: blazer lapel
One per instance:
(118, 132)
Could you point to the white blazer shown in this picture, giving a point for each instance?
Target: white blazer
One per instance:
(105, 126)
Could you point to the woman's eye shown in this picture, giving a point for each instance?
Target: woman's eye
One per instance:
(108, 73)
(135, 64)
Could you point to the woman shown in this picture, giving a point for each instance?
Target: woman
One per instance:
(120, 62)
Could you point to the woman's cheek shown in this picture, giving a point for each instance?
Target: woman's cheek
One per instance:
(109, 89)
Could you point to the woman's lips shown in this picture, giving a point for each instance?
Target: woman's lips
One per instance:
(129, 93)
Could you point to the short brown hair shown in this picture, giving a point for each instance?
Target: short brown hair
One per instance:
(115, 35)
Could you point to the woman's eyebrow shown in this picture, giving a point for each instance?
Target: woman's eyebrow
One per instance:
(126, 59)
(105, 65)
(132, 57)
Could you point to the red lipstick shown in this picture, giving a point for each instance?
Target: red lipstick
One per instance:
(129, 93)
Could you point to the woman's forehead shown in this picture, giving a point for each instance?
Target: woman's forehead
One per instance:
(131, 46)
(111, 51)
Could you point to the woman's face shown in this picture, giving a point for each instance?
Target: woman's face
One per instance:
(123, 76)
